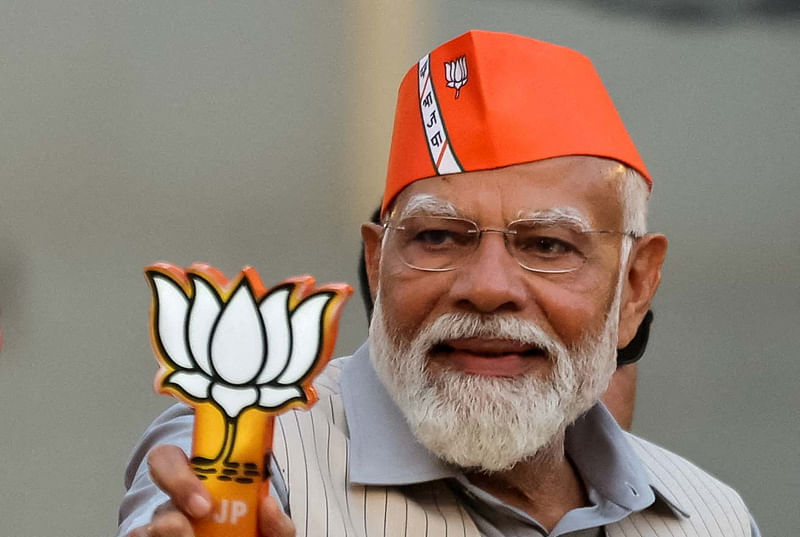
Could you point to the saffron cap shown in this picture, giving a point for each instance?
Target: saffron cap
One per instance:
(488, 100)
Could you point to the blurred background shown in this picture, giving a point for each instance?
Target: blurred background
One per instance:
(257, 132)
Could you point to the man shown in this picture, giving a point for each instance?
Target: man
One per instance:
(511, 264)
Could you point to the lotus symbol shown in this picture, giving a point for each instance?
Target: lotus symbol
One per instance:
(456, 73)
(238, 354)
(238, 346)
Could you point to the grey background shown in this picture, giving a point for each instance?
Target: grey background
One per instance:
(257, 133)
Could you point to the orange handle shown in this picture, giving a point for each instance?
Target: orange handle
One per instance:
(237, 474)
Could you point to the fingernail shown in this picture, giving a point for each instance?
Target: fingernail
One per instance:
(198, 505)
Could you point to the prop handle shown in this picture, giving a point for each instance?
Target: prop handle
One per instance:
(232, 458)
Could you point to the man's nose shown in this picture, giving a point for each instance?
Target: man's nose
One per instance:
(490, 280)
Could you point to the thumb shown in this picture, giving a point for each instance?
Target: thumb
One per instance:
(272, 521)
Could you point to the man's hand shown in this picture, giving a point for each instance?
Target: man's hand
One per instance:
(189, 500)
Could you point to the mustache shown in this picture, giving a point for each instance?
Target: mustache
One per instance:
(451, 326)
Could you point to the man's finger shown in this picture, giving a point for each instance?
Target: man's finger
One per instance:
(170, 470)
(170, 524)
(272, 521)
(141, 531)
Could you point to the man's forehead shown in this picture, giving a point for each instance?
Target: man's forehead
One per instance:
(567, 188)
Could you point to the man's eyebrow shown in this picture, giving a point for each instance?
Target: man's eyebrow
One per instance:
(557, 215)
(428, 205)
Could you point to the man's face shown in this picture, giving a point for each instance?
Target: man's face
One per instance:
(566, 306)
(490, 343)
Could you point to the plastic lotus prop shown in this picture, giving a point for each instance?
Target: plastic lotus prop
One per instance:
(239, 354)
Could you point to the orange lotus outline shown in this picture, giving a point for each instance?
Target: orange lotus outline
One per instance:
(302, 287)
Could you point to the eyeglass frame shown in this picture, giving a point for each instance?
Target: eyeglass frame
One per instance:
(387, 225)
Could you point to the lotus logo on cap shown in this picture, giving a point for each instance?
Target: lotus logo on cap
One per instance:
(456, 74)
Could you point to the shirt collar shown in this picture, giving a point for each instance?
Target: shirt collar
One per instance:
(383, 451)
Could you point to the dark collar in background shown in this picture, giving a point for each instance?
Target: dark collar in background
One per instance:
(633, 352)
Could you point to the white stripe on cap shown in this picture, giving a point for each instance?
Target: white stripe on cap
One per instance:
(444, 160)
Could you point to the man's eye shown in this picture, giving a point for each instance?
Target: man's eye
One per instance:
(434, 237)
(546, 246)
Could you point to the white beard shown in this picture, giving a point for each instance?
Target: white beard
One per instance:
(491, 423)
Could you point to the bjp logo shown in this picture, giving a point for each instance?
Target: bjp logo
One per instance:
(455, 72)
(238, 353)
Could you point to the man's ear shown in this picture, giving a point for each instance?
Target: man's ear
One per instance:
(641, 282)
(372, 234)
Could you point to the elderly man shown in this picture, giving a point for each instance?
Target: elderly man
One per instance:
(511, 263)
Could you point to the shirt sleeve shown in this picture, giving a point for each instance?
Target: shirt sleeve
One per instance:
(754, 531)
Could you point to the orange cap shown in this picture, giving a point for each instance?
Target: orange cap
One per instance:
(487, 100)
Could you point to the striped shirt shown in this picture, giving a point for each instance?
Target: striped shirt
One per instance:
(351, 466)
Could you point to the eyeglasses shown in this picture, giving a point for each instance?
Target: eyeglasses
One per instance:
(438, 244)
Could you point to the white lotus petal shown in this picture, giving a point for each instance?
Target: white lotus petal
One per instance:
(275, 315)
(202, 314)
(233, 399)
(272, 397)
(237, 344)
(171, 312)
(193, 383)
(306, 324)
